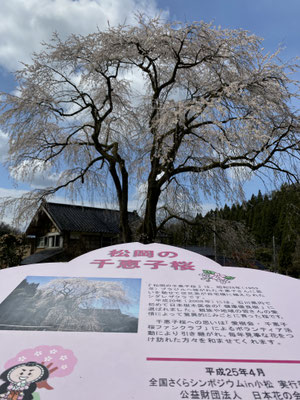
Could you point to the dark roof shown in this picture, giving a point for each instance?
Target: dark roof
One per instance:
(41, 256)
(85, 219)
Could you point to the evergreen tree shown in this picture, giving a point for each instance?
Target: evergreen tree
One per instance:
(274, 221)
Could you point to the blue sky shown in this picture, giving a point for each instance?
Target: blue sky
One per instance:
(25, 24)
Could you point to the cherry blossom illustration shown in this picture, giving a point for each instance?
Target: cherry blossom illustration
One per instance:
(60, 362)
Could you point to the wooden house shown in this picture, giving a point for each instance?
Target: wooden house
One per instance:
(61, 232)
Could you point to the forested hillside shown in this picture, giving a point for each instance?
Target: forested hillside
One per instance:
(265, 228)
(274, 222)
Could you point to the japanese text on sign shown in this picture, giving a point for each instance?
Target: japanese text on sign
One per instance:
(128, 260)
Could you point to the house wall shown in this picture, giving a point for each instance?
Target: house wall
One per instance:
(77, 243)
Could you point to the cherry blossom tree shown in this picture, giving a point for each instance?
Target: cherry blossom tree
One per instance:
(64, 300)
(211, 110)
(84, 292)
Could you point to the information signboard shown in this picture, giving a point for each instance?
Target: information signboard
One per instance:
(148, 322)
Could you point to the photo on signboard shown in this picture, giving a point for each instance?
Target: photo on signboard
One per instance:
(74, 304)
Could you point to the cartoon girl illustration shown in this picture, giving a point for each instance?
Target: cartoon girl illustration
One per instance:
(28, 372)
(20, 381)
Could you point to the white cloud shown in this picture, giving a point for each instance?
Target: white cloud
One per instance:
(25, 24)
(3, 146)
(14, 193)
(36, 173)
(7, 215)
(242, 174)
(206, 207)
(189, 209)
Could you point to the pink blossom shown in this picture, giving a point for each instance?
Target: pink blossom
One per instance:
(58, 360)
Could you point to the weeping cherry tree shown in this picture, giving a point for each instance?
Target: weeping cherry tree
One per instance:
(181, 110)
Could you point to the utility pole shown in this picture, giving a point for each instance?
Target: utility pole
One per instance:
(274, 253)
(215, 240)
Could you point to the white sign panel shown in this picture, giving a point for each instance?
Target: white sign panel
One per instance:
(148, 322)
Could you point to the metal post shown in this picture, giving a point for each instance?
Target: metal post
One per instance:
(274, 253)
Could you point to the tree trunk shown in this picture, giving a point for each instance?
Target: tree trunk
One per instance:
(125, 230)
(125, 234)
(149, 227)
